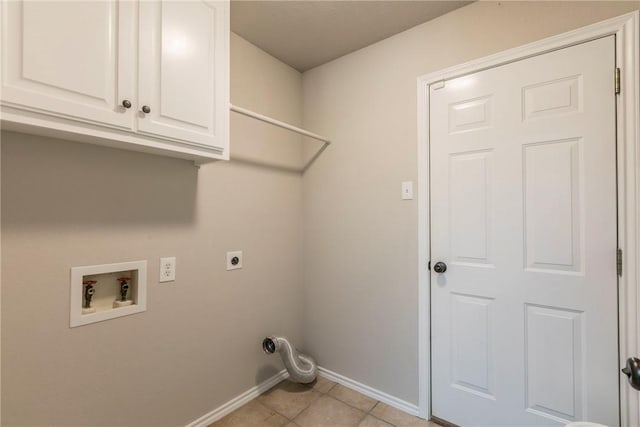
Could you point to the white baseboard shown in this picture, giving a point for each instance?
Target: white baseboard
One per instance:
(400, 404)
(238, 401)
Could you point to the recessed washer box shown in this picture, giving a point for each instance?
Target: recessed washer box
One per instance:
(108, 298)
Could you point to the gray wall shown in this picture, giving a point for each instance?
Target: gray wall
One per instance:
(360, 251)
(197, 346)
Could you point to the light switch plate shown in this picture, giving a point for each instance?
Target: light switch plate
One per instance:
(407, 190)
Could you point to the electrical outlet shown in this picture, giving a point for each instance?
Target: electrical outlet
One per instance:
(167, 269)
(234, 260)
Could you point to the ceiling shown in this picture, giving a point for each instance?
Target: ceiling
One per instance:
(305, 34)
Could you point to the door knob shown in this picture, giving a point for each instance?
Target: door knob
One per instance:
(146, 109)
(126, 103)
(632, 370)
(440, 267)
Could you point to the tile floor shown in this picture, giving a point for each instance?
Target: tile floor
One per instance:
(323, 403)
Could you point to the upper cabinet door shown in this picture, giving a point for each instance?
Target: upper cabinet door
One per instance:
(183, 74)
(69, 59)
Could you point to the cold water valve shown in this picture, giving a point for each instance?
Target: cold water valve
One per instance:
(124, 289)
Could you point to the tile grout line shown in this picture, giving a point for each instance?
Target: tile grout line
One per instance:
(346, 403)
(275, 411)
(368, 412)
(312, 402)
(326, 393)
(306, 407)
(292, 420)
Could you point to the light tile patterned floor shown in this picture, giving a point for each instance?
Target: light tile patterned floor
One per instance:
(321, 404)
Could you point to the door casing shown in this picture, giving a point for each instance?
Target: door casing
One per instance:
(626, 29)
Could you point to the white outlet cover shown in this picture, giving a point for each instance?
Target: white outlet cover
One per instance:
(167, 269)
(230, 260)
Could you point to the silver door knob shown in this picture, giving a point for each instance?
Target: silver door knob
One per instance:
(440, 267)
(632, 370)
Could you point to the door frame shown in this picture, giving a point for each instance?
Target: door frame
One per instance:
(626, 30)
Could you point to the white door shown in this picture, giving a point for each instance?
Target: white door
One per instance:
(523, 213)
(182, 75)
(69, 59)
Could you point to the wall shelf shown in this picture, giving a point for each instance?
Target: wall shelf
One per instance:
(283, 125)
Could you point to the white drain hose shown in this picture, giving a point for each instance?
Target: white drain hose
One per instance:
(301, 368)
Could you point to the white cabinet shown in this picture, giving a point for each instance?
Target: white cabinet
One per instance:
(182, 56)
(63, 58)
(88, 71)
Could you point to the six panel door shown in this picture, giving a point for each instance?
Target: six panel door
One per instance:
(523, 212)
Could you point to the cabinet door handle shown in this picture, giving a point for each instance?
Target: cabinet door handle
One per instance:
(146, 109)
(126, 103)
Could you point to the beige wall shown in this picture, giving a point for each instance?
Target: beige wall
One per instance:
(360, 251)
(199, 342)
